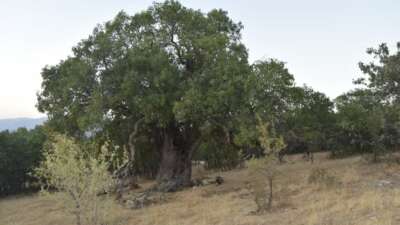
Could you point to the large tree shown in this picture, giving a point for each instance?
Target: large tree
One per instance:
(164, 77)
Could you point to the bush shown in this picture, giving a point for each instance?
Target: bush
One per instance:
(81, 179)
(262, 189)
(267, 166)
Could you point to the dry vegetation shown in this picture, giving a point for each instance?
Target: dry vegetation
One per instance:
(362, 194)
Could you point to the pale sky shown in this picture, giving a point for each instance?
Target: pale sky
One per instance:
(321, 41)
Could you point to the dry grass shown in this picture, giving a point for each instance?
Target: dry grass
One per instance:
(368, 194)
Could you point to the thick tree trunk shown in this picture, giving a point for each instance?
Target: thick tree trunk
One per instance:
(175, 170)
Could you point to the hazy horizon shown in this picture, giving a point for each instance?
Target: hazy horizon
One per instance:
(321, 42)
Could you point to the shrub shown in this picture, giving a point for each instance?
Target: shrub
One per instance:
(266, 166)
(80, 177)
(262, 189)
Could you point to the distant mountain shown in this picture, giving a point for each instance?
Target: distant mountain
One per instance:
(15, 123)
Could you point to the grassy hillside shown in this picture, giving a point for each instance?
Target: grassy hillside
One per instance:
(362, 194)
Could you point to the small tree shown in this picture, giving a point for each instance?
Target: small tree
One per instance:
(80, 177)
(272, 145)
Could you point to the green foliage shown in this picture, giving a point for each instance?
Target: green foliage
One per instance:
(80, 178)
(309, 120)
(271, 144)
(20, 152)
(368, 119)
(217, 155)
(360, 122)
(166, 63)
(382, 74)
(270, 88)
